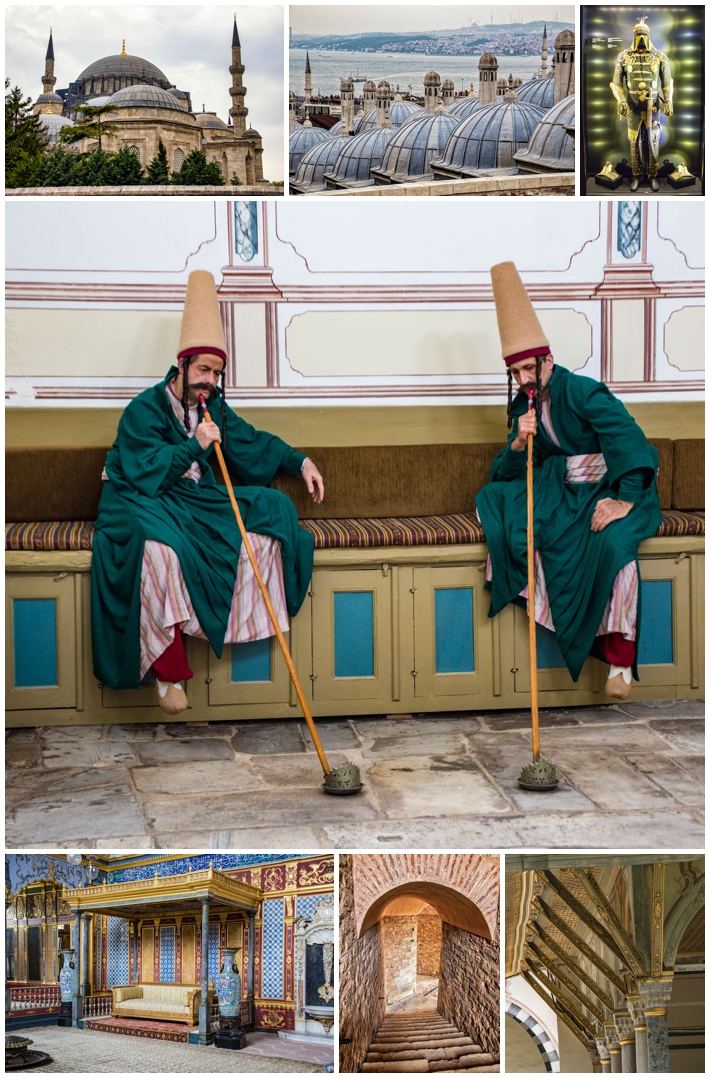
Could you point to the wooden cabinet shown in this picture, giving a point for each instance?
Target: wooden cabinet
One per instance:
(42, 641)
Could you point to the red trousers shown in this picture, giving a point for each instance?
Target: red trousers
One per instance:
(172, 664)
(616, 649)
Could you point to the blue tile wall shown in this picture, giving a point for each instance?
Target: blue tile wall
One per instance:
(167, 955)
(213, 955)
(272, 981)
(178, 865)
(306, 904)
(117, 937)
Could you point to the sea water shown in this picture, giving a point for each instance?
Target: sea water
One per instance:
(404, 69)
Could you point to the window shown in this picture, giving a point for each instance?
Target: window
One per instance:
(178, 158)
(135, 150)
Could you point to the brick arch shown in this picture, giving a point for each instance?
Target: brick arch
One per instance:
(462, 888)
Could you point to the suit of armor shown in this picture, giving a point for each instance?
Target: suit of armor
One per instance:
(642, 85)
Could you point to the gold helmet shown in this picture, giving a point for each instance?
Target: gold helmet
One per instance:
(642, 36)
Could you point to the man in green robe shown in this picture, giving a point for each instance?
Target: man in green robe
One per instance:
(161, 488)
(595, 499)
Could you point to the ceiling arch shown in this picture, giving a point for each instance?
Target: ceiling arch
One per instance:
(452, 906)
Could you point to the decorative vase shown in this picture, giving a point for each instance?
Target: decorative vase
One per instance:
(228, 985)
(66, 977)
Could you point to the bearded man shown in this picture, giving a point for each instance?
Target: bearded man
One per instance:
(595, 499)
(168, 559)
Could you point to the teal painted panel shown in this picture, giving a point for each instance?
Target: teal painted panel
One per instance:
(252, 661)
(656, 636)
(453, 616)
(549, 656)
(35, 643)
(354, 633)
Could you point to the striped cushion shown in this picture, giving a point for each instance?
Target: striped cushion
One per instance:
(332, 534)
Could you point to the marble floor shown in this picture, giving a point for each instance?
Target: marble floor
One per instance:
(81, 1051)
(627, 772)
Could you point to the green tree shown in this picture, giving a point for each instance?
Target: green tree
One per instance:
(124, 169)
(90, 125)
(196, 172)
(158, 171)
(57, 169)
(235, 181)
(25, 139)
(93, 169)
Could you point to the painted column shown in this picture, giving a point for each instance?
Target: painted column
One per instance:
(76, 1009)
(134, 979)
(250, 964)
(85, 984)
(602, 1049)
(635, 1005)
(614, 1047)
(655, 995)
(627, 1041)
(205, 1026)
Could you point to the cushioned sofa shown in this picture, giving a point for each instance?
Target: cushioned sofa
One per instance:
(169, 1002)
(396, 618)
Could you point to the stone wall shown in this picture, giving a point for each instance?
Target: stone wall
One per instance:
(176, 191)
(538, 185)
(399, 943)
(362, 1003)
(469, 992)
(428, 945)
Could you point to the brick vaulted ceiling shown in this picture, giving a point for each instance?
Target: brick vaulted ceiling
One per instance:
(463, 888)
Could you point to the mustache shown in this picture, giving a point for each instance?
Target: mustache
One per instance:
(204, 386)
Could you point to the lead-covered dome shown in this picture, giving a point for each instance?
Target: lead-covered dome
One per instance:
(400, 112)
(358, 157)
(551, 147)
(210, 119)
(300, 141)
(143, 96)
(463, 107)
(538, 92)
(124, 66)
(320, 159)
(49, 99)
(53, 124)
(414, 146)
(489, 139)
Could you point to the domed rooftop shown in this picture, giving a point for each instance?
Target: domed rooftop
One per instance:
(551, 147)
(316, 162)
(369, 86)
(415, 145)
(400, 112)
(346, 85)
(359, 155)
(538, 92)
(300, 141)
(432, 78)
(336, 129)
(53, 124)
(488, 60)
(447, 84)
(143, 96)
(490, 137)
(49, 99)
(124, 66)
(463, 107)
(210, 119)
(564, 39)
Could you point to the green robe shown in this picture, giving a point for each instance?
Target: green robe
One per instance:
(147, 498)
(580, 565)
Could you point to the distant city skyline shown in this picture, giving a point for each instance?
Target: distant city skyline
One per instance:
(355, 19)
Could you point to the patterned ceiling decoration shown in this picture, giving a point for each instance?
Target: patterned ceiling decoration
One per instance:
(24, 868)
(174, 866)
(693, 941)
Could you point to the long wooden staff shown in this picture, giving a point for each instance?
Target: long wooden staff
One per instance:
(531, 601)
(269, 606)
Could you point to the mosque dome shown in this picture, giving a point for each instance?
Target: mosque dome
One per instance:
(182, 98)
(538, 92)
(369, 87)
(488, 60)
(124, 66)
(346, 86)
(418, 142)
(95, 102)
(53, 124)
(400, 112)
(432, 78)
(336, 129)
(551, 147)
(49, 99)
(300, 140)
(143, 96)
(490, 137)
(316, 162)
(360, 155)
(210, 119)
(447, 84)
(463, 107)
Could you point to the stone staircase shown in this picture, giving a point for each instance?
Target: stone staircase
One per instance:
(424, 1044)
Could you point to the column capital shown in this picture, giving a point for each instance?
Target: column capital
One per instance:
(611, 1036)
(635, 1006)
(602, 1048)
(655, 994)
(624, 1027)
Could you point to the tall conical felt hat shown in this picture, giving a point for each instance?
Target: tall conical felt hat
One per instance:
(521, 334)
(201, 330)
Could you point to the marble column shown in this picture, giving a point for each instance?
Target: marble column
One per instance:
(614, 1047)
(76, 1008)
(603, 1050)
(85, 983)
(655, 995)
(627, 1041)
(594, 1058)
(635, 1005)
(134, 979)
(205, 1026)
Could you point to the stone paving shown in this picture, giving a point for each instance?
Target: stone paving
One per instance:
(629, 774)
(88, 1051)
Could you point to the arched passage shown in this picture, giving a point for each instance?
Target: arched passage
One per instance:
(452, 906)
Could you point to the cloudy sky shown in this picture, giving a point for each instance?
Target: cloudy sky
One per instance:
(359, 18)
(190, 44)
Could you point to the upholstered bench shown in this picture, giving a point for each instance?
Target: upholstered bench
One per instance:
(169, 1002)
(395, 620)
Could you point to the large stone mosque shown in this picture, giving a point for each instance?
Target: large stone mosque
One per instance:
(150, 108)
(509, 128)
